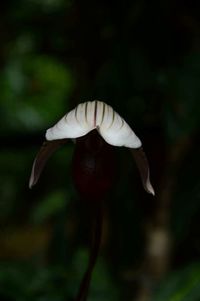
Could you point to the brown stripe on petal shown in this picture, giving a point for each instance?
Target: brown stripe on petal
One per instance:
(122, 123)
(86, 107)
(76, 109)
(103, 113)
(113, 118)
(66, 117)
(95, 112)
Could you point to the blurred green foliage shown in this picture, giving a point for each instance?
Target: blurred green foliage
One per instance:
(142, 58)
(25, 82)
(29, 282)
(183, 285)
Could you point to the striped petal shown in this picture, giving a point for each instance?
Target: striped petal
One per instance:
(74, 124)
(113, 128)
(90, 115)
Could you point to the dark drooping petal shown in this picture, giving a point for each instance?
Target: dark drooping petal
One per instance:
(143, 166)
(47, 149)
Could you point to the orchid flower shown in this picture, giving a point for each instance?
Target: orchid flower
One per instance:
(88, 116)
(96, 129)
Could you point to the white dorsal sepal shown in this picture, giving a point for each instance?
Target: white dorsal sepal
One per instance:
(90, 115)
(74, 124)
(114, 129)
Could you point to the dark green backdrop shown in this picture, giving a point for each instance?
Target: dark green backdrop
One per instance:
(143, 58)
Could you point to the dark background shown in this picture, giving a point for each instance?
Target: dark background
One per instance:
(142, 57)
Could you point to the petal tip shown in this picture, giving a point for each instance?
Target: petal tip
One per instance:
(149, 188)
(30, 185)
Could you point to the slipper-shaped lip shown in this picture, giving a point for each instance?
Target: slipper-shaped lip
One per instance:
(97, 115)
